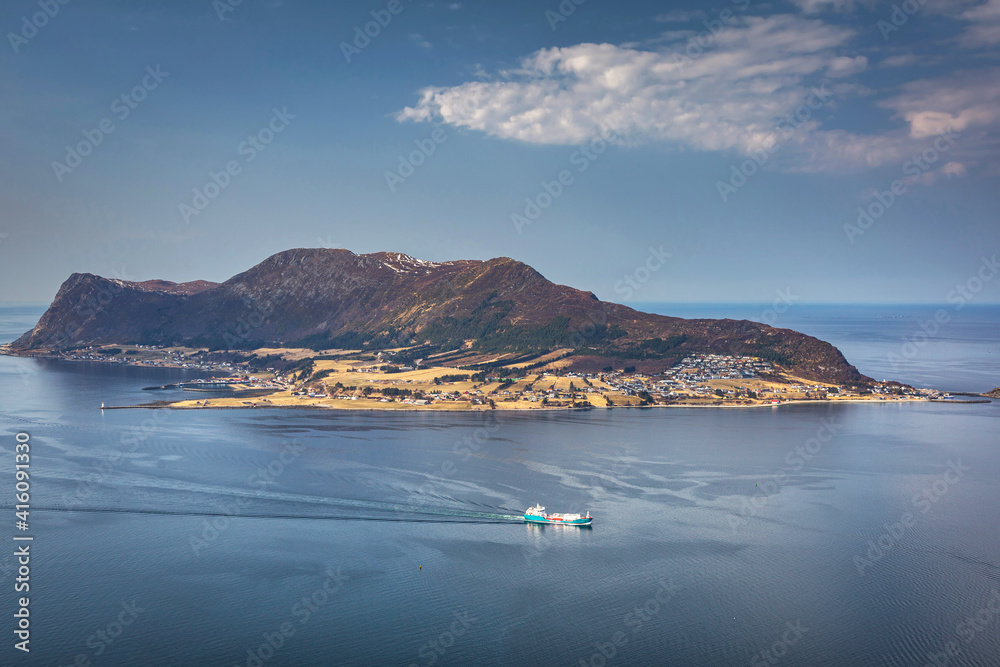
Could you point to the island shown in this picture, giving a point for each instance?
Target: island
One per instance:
(328, 328)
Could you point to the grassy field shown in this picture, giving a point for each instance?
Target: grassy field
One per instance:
(357, 381)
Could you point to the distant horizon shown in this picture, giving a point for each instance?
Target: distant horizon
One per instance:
(817, 146)
(644, 273)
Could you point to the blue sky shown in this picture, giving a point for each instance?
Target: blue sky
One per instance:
(741, 139)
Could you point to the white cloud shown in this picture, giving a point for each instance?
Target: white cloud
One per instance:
(680, 16)
(817, 6)
(985, 31)
(420, 41)
(982, 15)
(955, 169)
(845, 66)
(962, 101)
(729, 96)
(901, 60)
(966, 104)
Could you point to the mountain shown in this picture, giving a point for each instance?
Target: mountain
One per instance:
(322, 299)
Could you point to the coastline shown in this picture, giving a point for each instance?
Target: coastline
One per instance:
(430, 408)
(287, 393)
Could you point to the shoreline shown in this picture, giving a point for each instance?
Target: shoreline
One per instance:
(333, 408)
(261, 400)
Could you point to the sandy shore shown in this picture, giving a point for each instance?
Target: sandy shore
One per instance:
(354, 383)
(364, 405)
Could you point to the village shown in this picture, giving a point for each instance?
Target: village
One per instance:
(352, 379)
(155, 356)
(698, 380)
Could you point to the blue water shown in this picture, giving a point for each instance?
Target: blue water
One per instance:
(386, 539)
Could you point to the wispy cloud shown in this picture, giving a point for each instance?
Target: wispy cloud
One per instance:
(985, 28)
(419, 40)
(680, 16)
(900, 60)
(817, 6)
(846, 65)
(962, 101)
(728, 99)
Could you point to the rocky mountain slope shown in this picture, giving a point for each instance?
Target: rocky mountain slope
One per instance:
(323, 299)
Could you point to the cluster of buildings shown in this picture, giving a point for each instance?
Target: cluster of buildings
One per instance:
(720, 367)
(142, 357)
(692, 377)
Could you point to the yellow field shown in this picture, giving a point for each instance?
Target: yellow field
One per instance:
(363, 373)
(287, 353)
(285, 399)
(545, 357)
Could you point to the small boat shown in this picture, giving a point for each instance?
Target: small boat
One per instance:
(537, 514)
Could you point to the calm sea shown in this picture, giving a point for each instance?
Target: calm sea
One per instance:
(800, 535)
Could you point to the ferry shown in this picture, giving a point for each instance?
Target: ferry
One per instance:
(537, 514)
